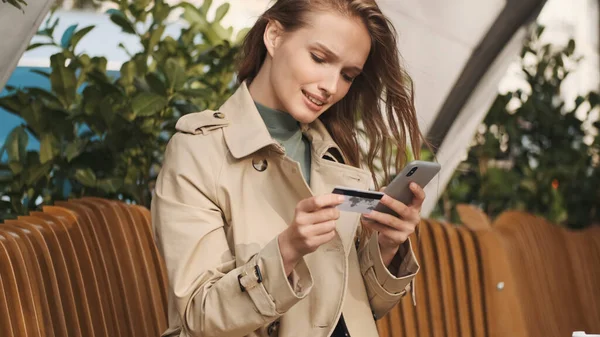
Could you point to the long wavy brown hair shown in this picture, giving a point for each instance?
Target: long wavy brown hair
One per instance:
(381, 98)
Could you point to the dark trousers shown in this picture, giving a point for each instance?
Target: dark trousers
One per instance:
(340, 329)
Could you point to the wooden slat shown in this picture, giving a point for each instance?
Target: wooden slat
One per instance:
(146, 249)
(474, 282)
(58, 308)
(103, 267)
(445, 270)
(36, 279)
(24, 315)
(129, 270)
(64, 272)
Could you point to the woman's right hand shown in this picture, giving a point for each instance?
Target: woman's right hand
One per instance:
(313, 226)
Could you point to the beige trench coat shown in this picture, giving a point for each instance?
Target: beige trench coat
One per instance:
(225, 192)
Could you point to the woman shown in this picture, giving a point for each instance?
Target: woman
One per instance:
(243, 211)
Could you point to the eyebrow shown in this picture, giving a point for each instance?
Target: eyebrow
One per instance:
(335, 57)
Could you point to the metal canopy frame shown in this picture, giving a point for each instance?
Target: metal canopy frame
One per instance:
(515, 15)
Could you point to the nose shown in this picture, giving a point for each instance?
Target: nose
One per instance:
(329, 84)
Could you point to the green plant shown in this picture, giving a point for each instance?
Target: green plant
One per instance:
(532, 152)
(16, 3)
(104, 135)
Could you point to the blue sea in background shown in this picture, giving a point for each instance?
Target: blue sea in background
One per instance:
(20, 78)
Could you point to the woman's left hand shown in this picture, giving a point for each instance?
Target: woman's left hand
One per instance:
(394, 231)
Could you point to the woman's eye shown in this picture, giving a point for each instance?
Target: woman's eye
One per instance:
(316, 58)
(348, 78)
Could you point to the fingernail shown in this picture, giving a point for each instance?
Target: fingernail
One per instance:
(413, 185)
(341, 198)
(366, 215)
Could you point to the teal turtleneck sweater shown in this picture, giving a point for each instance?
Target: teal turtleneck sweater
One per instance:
(286, 130)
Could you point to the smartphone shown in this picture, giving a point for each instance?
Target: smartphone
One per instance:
(420, 172)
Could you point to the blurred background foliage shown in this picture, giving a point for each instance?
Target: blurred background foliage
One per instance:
(534, 151)
(103, 133)
(19, 4)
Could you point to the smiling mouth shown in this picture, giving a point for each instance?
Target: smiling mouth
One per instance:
(313, 99)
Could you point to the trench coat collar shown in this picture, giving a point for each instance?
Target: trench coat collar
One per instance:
(247, 132)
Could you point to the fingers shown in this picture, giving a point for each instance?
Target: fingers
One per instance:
(392, 222)
(405, 212)
(419, 195)
(324, 230)
(322, 215)
(310, 229)
(389, 232)
(319, 202)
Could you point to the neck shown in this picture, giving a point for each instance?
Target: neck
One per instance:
(261, 88)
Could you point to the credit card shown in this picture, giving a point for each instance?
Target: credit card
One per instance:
(358, 201)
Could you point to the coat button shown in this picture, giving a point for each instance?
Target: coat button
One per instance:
(259, 164)
(218, 115)
(273, 327)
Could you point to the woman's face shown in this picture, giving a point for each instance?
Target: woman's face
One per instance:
(313, 67)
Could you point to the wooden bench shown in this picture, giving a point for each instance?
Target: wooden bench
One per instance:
(86, 267)
(90, 267)
(518, 276)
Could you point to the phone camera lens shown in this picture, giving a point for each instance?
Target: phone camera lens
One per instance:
(411, 172)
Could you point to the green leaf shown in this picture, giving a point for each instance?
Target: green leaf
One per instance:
(100, 63)
(49, 147)
(11, 103)
(141, 64)
(16, 144)
(141, 4)
(160, 11)
(110, 185)
(570, 47)
(200, 92)
(63, 80)
(539, 31)
(222, 33)
(107, 108)
(92, 97)
(156, 84)
(147, 125)
(206, 6)
(148, 104)
(65, 40)
(155, 37)
(17, 4)
(121, 20)
(52, 100)
(37, 45)
(594, 99)
(175, 74)
(37, 172)
(241, 35)
(79, 35)
(127, 73)
(221, 12)
(34, 115)
(195, 16)
(86, 177)
(41, 72)
(15, 167)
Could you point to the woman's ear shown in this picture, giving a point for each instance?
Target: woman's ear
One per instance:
(272, 36)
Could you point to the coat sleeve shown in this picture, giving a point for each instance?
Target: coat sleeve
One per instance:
(384, 288)
(205, 282)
